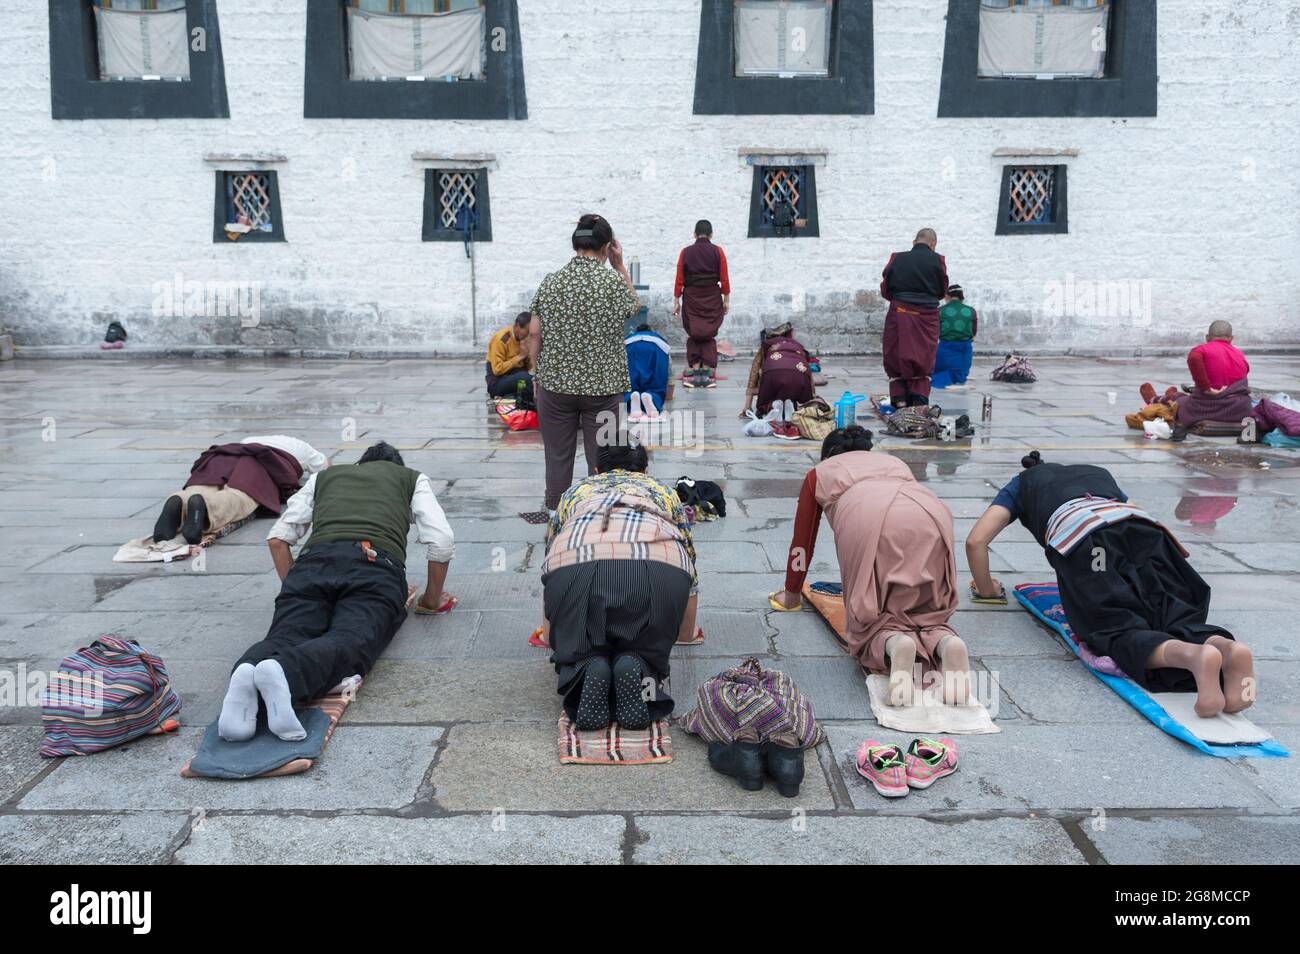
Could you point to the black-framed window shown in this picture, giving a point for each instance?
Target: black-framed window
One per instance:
(247, 207)
(414, 59)
(770, 57)
(1033, 201)
(783, 202)
(136, 59)
(457, 207)
(1038, 58)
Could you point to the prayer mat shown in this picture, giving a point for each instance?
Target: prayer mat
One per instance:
(928, 715)
(536, 517)
(145, 550)
(265, 755)
(1226, 736)
(615, 745)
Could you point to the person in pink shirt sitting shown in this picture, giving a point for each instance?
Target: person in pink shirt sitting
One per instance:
(1220, 391)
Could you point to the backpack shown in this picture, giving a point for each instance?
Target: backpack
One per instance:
(784, 353)
(106, 694)
(748, 701)
(1015, 369)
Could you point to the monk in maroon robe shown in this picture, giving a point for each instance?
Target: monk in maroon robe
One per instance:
(701, 296)
(913, 282)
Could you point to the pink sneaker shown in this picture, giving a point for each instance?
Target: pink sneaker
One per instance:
(883, 767)
(929, 760)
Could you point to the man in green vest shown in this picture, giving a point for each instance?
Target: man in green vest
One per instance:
(958, 324)
(343, 599)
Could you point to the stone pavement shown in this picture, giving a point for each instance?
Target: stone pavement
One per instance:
(448, 753)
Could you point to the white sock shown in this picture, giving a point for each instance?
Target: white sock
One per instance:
(238, 721)
(650, 409)
(274, 687)
(634, 410)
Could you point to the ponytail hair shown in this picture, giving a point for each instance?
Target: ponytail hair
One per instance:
(1033, 459)
(843, 440)
(592, 233)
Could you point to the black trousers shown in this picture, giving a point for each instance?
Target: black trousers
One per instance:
(508, 384)
(1144, 594)
(335, 615)
(611, 607)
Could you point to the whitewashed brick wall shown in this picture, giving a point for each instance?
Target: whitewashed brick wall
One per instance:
(1199, 204)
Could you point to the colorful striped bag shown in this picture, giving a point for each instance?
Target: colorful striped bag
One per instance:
(106, 694)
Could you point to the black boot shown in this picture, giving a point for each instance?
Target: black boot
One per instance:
(630, 709)
(196, 519)
(785, 764)
(169, 521)
(743, 761)
(593, 703)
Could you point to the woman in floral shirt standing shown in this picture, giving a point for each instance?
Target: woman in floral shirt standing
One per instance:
(576, 344)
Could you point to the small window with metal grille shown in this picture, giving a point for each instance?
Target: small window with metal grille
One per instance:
(783, 203)
(248, 207)
(456, 206)
(1033, 201)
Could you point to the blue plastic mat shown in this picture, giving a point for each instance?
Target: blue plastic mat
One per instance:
(1045, 596)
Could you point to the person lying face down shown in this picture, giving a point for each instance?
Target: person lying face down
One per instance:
(1126, 586)
(231, 481)
(619, 588)
(343, 599)
(894, 540)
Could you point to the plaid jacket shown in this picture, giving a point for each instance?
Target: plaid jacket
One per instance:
(620, 515)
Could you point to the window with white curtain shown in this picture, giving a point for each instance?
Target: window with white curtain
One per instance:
(142, 39)
(416, 39)
(1043, 39)
(783, 37)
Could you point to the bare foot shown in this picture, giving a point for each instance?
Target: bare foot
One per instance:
(902, 657)
(1206, 667)
(1239, 687)
(955, 662)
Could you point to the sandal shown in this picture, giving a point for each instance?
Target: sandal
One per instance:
(780, 607)
(999, 600)
(694, 640)
(442, 610)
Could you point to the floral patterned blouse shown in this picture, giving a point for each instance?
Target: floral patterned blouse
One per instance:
(582, 308)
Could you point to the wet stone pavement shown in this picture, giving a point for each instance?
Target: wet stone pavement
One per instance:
(448, 754)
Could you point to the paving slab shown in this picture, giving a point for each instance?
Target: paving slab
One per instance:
(1054, 767)
(20, 760)
(516, 767)
(364, 767)
(136, 838)
(505, 838)
(411, 691)
(826, 840)
(1196, 839)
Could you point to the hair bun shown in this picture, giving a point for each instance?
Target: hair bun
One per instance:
(1032, 459)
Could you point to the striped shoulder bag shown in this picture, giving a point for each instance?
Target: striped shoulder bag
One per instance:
(106, 694)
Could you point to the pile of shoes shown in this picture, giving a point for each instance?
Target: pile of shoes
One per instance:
(700, 378)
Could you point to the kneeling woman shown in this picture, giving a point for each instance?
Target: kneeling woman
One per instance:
(1125, 582)
(894, 541)
(619, 586)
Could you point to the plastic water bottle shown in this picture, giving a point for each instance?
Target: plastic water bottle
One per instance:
(846, 409)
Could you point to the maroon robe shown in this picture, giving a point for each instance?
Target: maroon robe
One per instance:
(703, 276)
(913, 283)
(268, 475)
